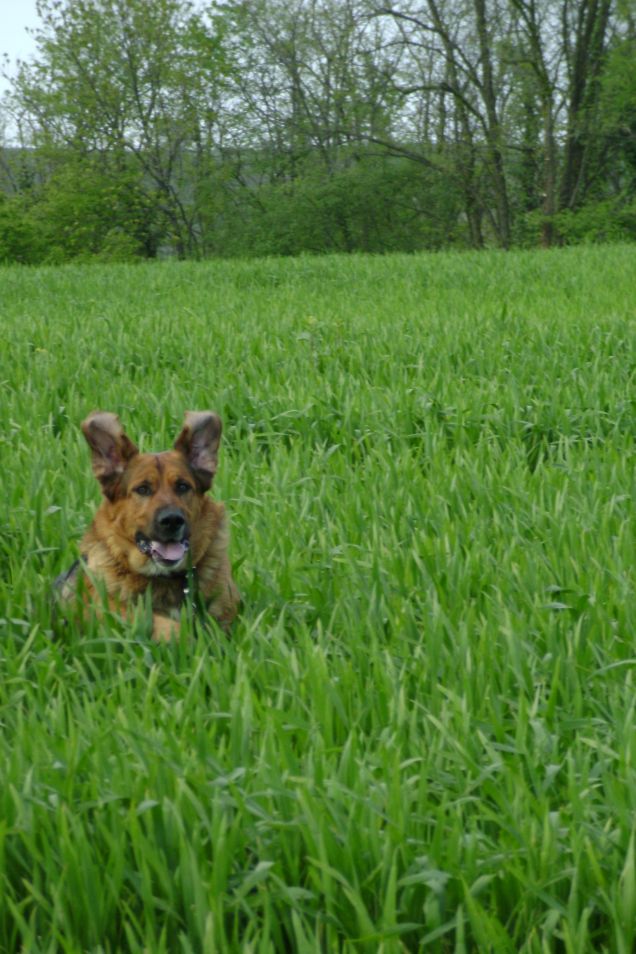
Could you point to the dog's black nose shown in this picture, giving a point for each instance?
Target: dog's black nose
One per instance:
(170, 523)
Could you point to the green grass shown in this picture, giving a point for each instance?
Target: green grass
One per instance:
(421, 734)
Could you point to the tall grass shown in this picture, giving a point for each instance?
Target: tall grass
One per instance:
(421, 734)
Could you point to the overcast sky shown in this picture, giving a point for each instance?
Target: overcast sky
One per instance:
(15, 17)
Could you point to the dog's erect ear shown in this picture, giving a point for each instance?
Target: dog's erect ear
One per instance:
(111, 449)
(199, 443)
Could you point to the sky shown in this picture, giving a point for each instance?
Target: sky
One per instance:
(15, 17)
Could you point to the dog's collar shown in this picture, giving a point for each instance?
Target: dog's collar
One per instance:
(189, 588)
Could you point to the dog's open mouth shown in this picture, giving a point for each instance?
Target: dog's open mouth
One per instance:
(165, 554)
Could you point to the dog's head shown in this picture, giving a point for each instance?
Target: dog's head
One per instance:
(155, 499)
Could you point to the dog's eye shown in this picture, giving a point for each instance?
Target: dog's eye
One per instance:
(182, 487)
(144, 490)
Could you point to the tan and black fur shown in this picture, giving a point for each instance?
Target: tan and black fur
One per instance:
(156, 529)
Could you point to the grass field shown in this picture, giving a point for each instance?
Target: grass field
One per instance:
(421, 735)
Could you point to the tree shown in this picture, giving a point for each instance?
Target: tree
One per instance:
(129, 82)
(289, 125)
(618, 102)
(313, 98)
(450, 61)
(489, 56)
(565, 45)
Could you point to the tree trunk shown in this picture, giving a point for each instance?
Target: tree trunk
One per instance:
(548, 233)
(493, 129)
(585, 68)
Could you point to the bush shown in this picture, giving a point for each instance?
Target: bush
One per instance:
(372, 205)
(119, 246)
(20, 240)
(596, 222)
(84, 211)
(606, 220)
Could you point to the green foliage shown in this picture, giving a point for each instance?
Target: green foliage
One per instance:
(618, 103)
(85, 210)
(286, 126)
(20, 240)
(118, 246)
(603, 220)
(122, 90)
(369, 205)
(420, 735)
(79, 211)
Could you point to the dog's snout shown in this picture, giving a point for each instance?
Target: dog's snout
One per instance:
(170, 522)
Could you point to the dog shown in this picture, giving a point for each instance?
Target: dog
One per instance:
(156, 534)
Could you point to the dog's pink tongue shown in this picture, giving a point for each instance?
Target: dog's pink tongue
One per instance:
(168, 551)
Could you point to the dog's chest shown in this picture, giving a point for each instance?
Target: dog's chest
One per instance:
(169, 594)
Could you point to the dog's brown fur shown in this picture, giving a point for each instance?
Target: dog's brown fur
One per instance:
(139, 489)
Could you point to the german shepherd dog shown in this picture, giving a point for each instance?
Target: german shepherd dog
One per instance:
(156, 532)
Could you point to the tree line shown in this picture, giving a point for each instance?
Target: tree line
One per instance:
(283, 126)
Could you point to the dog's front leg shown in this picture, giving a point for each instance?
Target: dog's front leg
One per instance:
(225, 604)
(164, 629)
